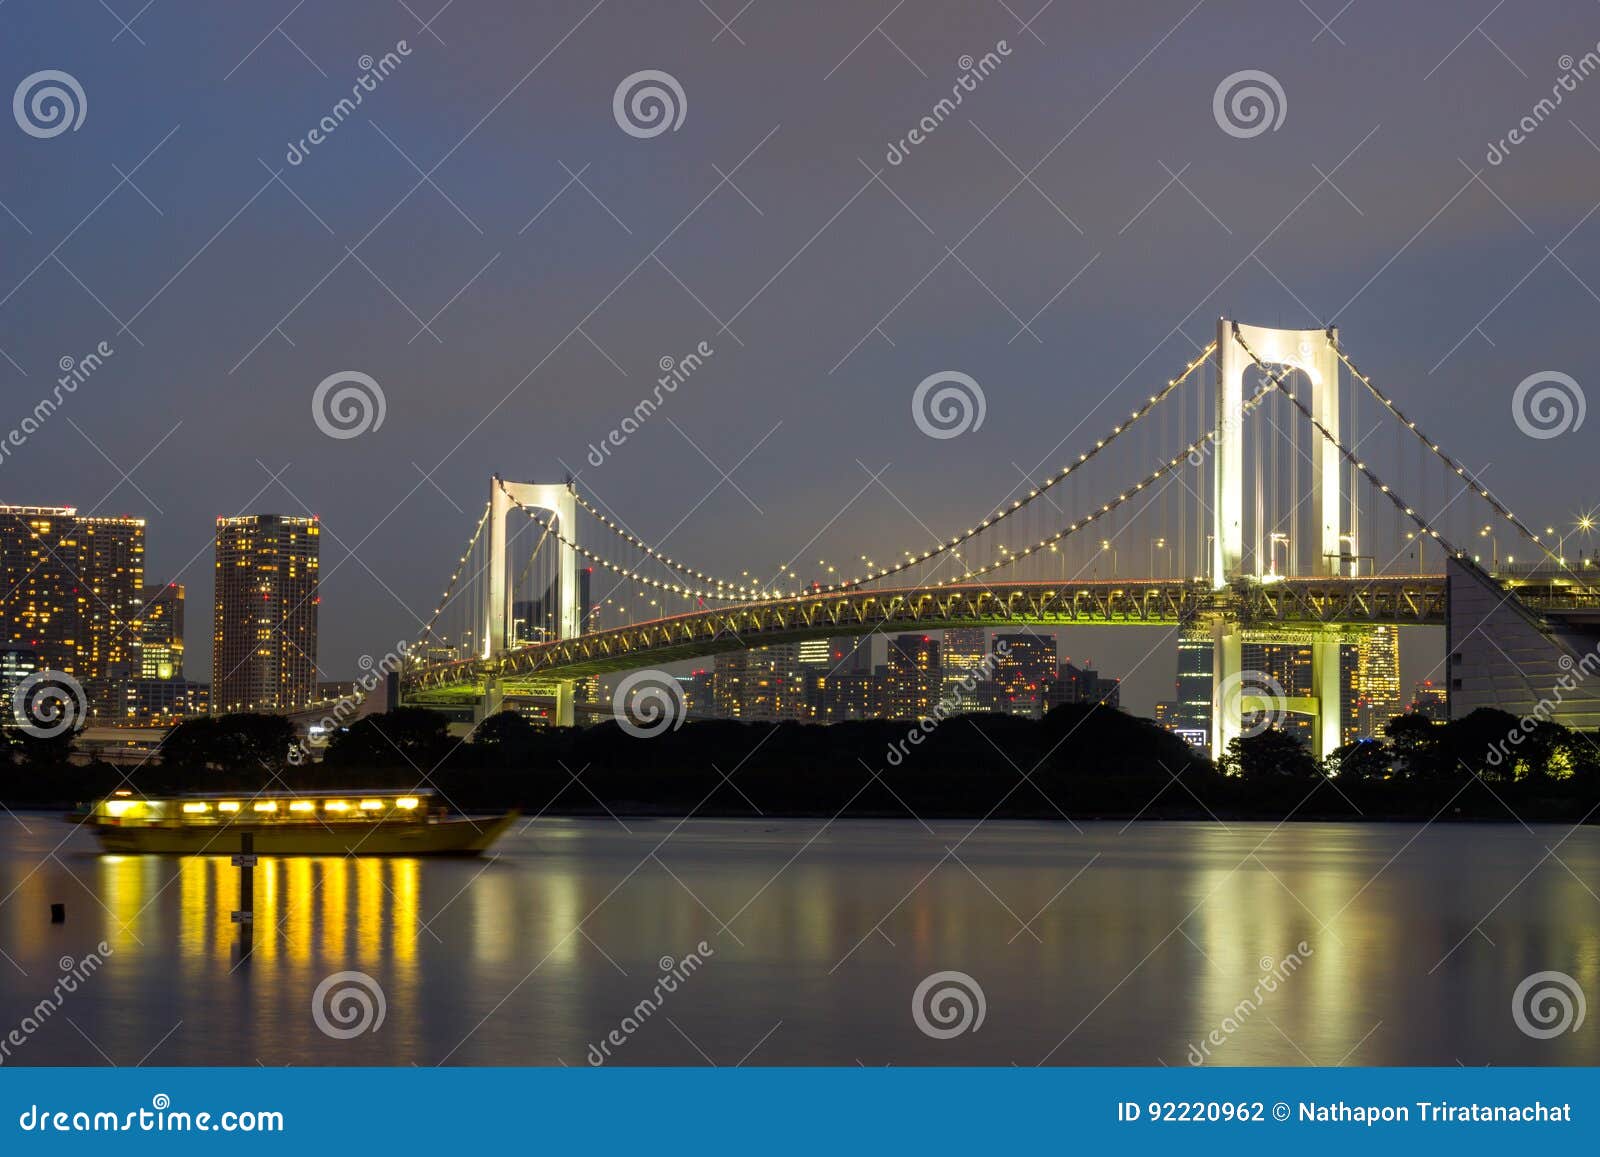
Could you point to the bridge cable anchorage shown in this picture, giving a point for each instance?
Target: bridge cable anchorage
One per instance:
(461, 565)
(1275, 381)
(1000, 515)
(1014, 556)
(1460, 470)
(639, 544)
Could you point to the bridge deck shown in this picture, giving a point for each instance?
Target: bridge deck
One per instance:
(1287, 604)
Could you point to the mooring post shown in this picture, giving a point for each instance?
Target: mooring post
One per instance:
(245, 917)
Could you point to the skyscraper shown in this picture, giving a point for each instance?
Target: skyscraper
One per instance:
(1192, 716)
(71, 590)
(1378, 679)
(264, 626)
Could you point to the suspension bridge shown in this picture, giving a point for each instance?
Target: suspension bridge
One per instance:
(1249, 499)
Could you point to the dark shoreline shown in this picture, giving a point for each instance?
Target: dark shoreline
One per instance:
(1078, 761)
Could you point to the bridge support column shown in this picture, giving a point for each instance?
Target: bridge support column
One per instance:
(1227, 708)
(494, 700)
(565, 715)
(1325, 689)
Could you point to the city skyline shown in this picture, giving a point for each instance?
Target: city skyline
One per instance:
(511, 384)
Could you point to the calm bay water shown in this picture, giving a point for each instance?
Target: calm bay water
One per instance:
(1109, 946)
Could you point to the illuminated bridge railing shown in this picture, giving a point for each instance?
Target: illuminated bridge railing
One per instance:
(1293, 602)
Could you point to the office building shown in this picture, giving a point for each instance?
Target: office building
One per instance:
(963, 655)
(1430, 699)
(1024, 666)
(1081, 685)
(1378, 680)
(1192, 705)
(16, 664)
(161, 632)
(264, 624)
(161, 702)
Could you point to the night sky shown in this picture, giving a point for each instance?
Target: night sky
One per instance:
(228, 294)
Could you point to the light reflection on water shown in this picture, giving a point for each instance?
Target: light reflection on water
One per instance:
(1415, 941)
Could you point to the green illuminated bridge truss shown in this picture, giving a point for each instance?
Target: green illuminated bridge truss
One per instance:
(1288, 606)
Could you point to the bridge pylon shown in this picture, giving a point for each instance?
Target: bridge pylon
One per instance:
(557, 500)
(1314, 353)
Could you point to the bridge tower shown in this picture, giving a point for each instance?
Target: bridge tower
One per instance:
(1311, 352)
(556, 500)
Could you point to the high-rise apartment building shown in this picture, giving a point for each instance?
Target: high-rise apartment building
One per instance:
(764, 683)
(71, 589)
(915, 676)
(264, 626)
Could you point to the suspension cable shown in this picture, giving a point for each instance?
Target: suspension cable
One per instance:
(675, 588)
(1000, 515)
(1276, 380)
(1205, 441)
(1461, 471)
(639, 544)
(461, 565)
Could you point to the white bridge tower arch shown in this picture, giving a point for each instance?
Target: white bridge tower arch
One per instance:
(557, 500)
(1313, 352)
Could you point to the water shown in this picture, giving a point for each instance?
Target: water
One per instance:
(1113, 946)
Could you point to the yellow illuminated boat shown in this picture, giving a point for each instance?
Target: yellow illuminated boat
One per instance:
(371, 823)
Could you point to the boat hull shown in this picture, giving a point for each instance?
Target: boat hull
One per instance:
(457, 836)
